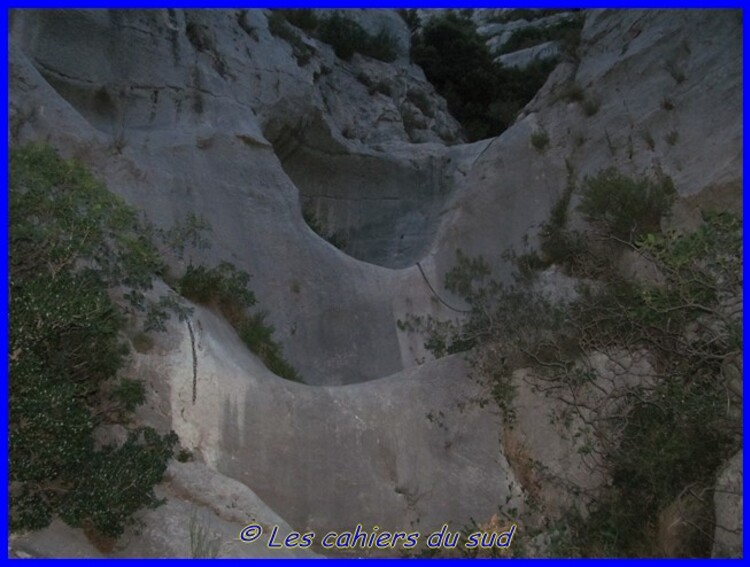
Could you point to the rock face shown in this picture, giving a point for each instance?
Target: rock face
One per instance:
(197, 499)
(728, 510)
(525, 57)
(208, 121)
(208, 112)
(498, 35)
(402, 451)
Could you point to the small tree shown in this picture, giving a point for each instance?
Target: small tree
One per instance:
(678, 421)
(72, 242)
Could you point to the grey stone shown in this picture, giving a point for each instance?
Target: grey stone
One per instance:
(207, 112)
(525, 57)
(728, 510)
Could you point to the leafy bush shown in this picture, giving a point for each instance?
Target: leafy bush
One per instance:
(590, 106)
(117, 481)
(410, 17)
(628, 208)
(421, 101)
(142, 342)
(203, 544)
(303, 18)
(319, 227)
(540, 139)
(279, 26)
(258, 336)
(225, 288)
(523, 14)
(558, 244)
(71, 243)
(483, 96)
(676, 427)
(571, 92)
(567, 32)
(347, 37)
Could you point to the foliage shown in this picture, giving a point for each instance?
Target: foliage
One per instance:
(456, 60)
(557, 244)
(590, 106)
(320, 227)
(142, 342)
(410, 17)
(225, 288)
(278, 25)
(421, 101)
(571, 92)
(117, 481)
(303, 18)
(184, 235)
(523, 14)
(63, 217)
(344, 34)
(71, 243)
(540, 139)
(627, 208)
(675, 426)
(258, 336)
(567, 32)
(202, 544)
(347, 37)
(129, 393)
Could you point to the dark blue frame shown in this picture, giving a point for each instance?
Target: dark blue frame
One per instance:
(4, 338)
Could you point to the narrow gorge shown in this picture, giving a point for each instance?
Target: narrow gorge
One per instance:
(383, 225)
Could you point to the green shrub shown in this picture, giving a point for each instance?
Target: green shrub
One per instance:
(117, 481)
(279, 26)
(382, 87)
(319, 227)
(571, 92)
(304, 19)
(421, 101)
(523, 14)
(679, 424)
(381, 46)
(142, 342)
(71, 243)
(540, 139)
(258, 336)
(628, 208)
(225, 288)
(203, 545)
(649, 139)
(675, 71)
(456, 60)
(129, 393)
(410, 17)
(558, 244)
(590, 106)
(347, 37)
(567, 32)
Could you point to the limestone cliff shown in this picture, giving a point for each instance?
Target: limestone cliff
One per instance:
(209, 112)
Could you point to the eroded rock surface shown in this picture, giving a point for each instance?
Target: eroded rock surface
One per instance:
(208, 112)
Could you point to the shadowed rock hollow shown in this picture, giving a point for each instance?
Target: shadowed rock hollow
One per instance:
(208, 112)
